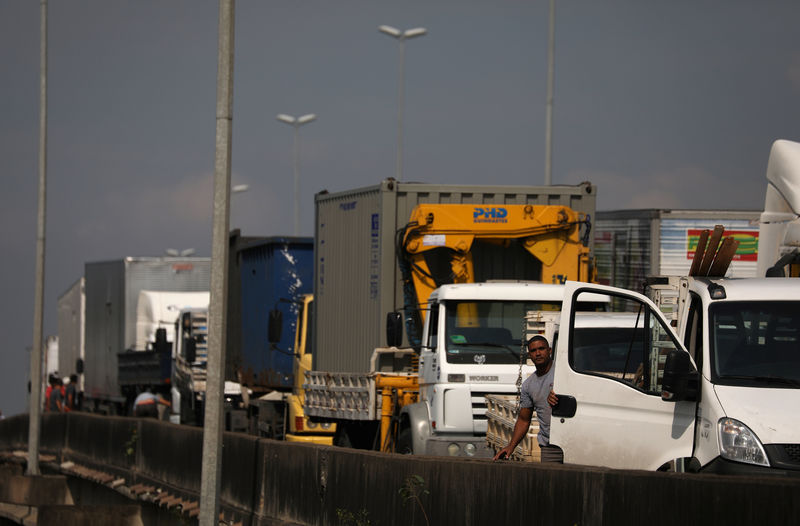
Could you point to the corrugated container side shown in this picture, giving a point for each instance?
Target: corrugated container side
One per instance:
(112, 292)
(70, 329)
(633, 244)
(348, 276)
(357, 281)
(279, 268)
(623, 245)
(105, 315)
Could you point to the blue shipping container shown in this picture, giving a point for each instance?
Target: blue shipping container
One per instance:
(274, 273)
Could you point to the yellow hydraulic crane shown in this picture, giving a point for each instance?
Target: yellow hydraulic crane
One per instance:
(549, 233)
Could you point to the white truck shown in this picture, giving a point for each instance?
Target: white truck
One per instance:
(169, 351)
(779, 226)
(717, 392)
(471, 345)
(713, 382)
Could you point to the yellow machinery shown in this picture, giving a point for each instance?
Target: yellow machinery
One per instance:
(458, 243)
(299, 427)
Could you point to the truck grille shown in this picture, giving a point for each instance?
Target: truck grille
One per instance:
(793, 452)
(479, 403)
(784, 456)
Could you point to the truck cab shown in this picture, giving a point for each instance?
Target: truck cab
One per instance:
(472, 344)
(710, 382)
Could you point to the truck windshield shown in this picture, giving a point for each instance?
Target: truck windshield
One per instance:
(755, 343)
(488, 332)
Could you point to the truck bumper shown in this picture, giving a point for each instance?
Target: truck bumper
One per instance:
(458, 446)
(324, 440)
(720, 466)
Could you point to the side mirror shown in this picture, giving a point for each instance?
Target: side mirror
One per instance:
(190, 348)
(274, 326)
(394, 329)
(79, 366)
(681, 379)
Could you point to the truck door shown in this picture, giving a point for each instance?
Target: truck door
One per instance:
(610, 411)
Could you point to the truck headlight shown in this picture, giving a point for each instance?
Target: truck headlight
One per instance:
(738, 443)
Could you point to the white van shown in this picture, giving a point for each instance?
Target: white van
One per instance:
(716, 388)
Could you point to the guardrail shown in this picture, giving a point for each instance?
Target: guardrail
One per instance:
(271, 482)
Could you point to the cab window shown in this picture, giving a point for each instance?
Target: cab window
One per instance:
(628, 344)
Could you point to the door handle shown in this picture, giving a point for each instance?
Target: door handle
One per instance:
(566, 406)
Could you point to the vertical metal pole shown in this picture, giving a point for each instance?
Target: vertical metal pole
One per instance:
(296, 161)
(400, 85)
(212, 432)
(548, 159)
(34, 412)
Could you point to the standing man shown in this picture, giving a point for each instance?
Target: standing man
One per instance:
(536, 394)
(71, 393)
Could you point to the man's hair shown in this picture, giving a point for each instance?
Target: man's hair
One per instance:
(537, 337)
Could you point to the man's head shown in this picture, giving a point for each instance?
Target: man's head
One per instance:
(539, 352)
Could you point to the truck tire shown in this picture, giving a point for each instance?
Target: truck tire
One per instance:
(405, 445)
(341, 438)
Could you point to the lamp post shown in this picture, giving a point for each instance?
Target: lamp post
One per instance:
(296, 123)
(401, 37)
(548, 148)
(174, 252)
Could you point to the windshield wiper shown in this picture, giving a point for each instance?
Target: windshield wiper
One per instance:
(764, 379)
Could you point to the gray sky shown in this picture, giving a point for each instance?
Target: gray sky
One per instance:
(660, 104)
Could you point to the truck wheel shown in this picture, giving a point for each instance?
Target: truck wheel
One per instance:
(405, 446)
(341, 438)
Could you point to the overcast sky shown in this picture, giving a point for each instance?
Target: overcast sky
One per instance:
(660, 104)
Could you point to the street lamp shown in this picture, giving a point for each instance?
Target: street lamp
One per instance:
(296, 123)
(179, 253)
(401, 37)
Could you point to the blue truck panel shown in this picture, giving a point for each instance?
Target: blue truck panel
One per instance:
(274, 273)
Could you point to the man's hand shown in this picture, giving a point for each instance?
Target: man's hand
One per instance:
(504, 453)
(552, 399)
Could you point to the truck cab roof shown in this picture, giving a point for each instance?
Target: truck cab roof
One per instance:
(507, 290)
(749, 289)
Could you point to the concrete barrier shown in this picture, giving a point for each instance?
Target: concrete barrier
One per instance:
(35, 490)
(90, 515)
(266, 482)
(170, 453)
(114, 439)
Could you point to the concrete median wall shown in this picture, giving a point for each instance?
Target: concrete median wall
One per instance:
(266, 482)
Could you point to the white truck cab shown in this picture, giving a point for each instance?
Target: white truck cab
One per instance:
(713, 385)
(471, 346)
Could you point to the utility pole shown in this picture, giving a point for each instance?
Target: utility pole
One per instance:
(213, 425)
(551, 44)
(35, 410)
(401, 37)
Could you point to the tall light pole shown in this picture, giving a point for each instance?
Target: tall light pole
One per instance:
(214, 418)
(551, 44)
(34, 412)
(296, 123)
(401, 37)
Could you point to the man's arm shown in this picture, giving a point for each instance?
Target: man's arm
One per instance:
(520, 429)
